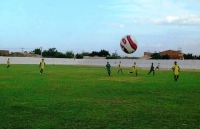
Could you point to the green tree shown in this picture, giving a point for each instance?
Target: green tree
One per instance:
(198, 57)
(60, 55)
(156, 55)
(94, 53)
(50, 53)
(166, 56)
(113, 56)
(69, 54)
(85, 53)
(36, 51)
(103, 53)
(188, 56)
(79, 56)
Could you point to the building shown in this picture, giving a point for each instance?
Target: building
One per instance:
(173, 54)
(147, 55)
(19, 54)
(4, 53)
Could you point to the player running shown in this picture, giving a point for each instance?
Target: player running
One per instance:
(158, 66)
(41, 66)
(120, 67)
(134, 69)
(108, 68)
(152, 69)
(8, 63)
(176, 70)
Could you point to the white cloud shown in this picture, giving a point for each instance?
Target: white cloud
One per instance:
(145, 11)
(114, 24)
(121, 25)
(178, 20)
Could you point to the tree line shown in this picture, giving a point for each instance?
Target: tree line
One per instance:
(54, 53)
(191, 56)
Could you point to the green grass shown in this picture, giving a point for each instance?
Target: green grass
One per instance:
(86, 97)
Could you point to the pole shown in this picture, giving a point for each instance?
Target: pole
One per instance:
(41, 51)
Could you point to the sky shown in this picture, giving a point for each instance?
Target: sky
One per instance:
(93, 25)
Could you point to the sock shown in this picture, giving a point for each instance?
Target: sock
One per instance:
(177, 77)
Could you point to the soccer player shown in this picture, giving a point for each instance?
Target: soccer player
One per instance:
(158, 66)
(41, 66)
(120, 67)
(108, 68)
(8, 63)
(176, 70)
(134, 69)
(152, 69)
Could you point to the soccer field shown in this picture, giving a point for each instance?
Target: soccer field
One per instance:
(86, 97)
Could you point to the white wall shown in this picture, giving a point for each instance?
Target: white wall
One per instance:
(164, 64)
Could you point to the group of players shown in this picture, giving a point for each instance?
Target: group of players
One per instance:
(41, 66)
(175, 68)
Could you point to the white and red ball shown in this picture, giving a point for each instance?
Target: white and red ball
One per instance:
(128, 44)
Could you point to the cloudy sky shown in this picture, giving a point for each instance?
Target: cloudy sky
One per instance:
(92, 25)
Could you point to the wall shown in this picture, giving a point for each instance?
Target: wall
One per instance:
(145, 64)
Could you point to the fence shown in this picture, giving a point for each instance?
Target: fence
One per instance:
(164, 64)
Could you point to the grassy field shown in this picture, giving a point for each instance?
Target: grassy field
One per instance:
(86, 97)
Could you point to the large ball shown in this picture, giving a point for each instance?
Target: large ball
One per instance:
(128, 44)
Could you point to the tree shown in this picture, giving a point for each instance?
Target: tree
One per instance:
(188, 56)
(36, 51)
(79, 56)
(103, 53)
(69, 54)
(166, 56)
(45, 53)
(85, 53)
(156, 55)
(94, 53)
(60, 55)
(50, 53)
(113, 56)
(198, 57)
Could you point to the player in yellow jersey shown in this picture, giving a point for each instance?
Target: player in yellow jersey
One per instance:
(134, 69)
(41, 66)
(120, 67)
(8, 63)
(176, 70)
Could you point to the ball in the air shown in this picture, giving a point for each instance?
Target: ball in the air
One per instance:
(128, 44)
